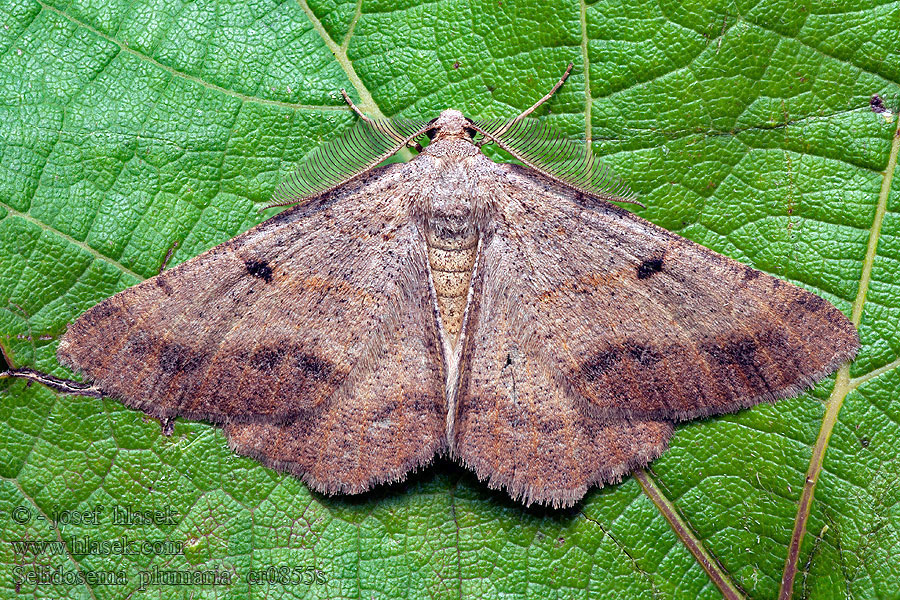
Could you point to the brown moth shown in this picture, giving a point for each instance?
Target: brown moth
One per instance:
(508, 316)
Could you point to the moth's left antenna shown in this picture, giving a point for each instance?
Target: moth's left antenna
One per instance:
(356, 151)
(353, 107)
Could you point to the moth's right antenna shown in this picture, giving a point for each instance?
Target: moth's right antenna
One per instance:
(544, 149)
(559, 83)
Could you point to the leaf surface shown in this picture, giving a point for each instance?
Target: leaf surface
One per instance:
(130, 131)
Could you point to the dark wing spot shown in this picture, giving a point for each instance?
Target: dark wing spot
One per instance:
(105, 310)
(176, 358)
(259, 268)
(164, 285)
(809, 303)
(740, 351)
(603, 361)
(600, 363)
(750, 274)
(643, 354)
(267, 359)
(649, 267)
(313, 368)
(743, 352)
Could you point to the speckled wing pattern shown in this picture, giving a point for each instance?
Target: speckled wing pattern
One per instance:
(587, 332)
(518, 425)
(594, 330)
(311, 337)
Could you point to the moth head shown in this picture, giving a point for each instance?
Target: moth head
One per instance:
(451, 124)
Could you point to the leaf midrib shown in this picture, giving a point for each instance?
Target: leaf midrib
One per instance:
(843, 385)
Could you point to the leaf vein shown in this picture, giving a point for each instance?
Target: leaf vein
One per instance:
(182, 75)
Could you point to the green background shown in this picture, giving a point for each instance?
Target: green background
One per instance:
(129, 126)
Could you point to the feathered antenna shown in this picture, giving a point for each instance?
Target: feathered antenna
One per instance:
(356, 151)
(544, 149)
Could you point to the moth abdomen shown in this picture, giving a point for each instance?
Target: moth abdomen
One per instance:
(451, 257)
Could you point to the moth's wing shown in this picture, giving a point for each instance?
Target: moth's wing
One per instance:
(388, 422)
(644, 323)
(518, 426)
(319, 317)
(592, 329)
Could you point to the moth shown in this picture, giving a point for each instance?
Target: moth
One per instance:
(508, 316)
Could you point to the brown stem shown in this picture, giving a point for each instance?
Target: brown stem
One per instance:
(64, 386)
(686, 535)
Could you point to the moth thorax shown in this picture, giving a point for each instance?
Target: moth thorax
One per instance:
(451, 256)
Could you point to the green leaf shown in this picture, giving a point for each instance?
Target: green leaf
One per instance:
(134, 130)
